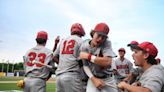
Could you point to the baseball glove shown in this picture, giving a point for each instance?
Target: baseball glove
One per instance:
(20, 84)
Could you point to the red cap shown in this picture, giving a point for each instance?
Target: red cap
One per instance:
(102, 29)
(149, 47)
(158, 60)
(121, 49)
(133, 43)
(42, 34)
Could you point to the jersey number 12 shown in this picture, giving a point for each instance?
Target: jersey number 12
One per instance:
(68, 47)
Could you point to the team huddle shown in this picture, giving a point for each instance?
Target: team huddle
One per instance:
(91, 65)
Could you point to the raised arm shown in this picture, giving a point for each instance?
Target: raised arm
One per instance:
(56, 43)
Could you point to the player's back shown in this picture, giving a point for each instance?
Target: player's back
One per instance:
(32, 60)
(68, 52)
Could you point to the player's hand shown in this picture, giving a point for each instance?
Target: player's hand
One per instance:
(57, 39)
(122, 85)
(136, 83)
(98, 82)
(84, 55)
(115, 72)
(126, 79)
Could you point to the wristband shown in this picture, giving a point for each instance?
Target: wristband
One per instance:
(93, 58)
(89, 57)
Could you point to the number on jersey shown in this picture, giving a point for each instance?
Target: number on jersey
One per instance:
(32, 56)
(68, 47)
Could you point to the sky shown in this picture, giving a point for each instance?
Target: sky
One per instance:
(20, 20)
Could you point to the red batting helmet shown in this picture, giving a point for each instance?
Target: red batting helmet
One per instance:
(102, 29)
(77, 28)
(42, 34)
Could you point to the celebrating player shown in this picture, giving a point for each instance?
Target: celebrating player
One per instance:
(137, 72)
(97, 58)
(152, 78)
(37, 65)
(123, 67)
(68, 77)
(132, 43)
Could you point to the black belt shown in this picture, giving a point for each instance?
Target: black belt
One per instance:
(67, 72)
(37, 78)
(73, 72)
(105, 76)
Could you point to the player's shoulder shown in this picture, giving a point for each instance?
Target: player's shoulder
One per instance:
(117, 59)
(158, 68)
(85, 42)
(42, 49)
(154, 71)
(30, 50)
(127, 60)
(75, 38)
(48, 50)
(106, 43)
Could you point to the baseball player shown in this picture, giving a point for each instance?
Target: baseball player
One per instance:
(123, 67)
(137, 72)
(131, 44)
(68, 77)
(152, 79)
(36, 61)
(97, 58)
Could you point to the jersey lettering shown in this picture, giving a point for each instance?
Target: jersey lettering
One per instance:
(122, 66)
(68, 47)
(32, 56)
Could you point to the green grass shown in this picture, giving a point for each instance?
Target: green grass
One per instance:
(10, 78)
(51, 87)
(8, 86)
(12, 86)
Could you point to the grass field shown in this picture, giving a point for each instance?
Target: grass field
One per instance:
(8, 84)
